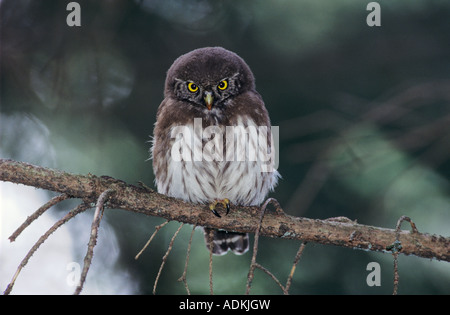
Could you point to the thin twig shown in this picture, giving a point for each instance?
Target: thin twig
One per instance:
(285, 289)
(37, 214)
(396, 276)
(183, 276)
(99, 208)
(165, 257)
(256, 241)
(72, 213)
(272, 276)
(254, 264)
(397, 247)
(157, 228)
(210, 246)
(294, 265)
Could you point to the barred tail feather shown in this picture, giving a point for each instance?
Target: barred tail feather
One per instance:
(223, 241)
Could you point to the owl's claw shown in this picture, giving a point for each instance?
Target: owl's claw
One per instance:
(216, 213)
(226, 204)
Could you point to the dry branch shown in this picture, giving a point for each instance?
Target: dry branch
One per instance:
(99, 209)
(165, 256)
(71, 214)
(136, 199)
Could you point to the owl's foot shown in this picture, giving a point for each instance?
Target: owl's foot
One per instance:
(225, 202)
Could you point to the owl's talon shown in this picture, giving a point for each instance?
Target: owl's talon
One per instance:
(212, 207)
(216, 213)
(226, 202)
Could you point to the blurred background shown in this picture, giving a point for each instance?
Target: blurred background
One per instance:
(363, 114)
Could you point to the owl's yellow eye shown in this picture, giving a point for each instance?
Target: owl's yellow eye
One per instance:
(223, 85)
(192, 87)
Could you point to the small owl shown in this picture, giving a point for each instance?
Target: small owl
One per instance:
(212, 140)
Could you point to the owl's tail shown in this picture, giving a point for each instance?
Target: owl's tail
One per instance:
(222, 241)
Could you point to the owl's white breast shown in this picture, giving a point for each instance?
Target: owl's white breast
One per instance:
(201, 171)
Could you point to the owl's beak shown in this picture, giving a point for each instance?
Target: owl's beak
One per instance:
(208, 97)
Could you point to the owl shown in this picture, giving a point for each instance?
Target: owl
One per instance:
(212, 140)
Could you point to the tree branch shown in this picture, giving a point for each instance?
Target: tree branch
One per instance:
(339, 232)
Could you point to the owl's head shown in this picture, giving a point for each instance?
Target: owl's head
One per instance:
(208, 77)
